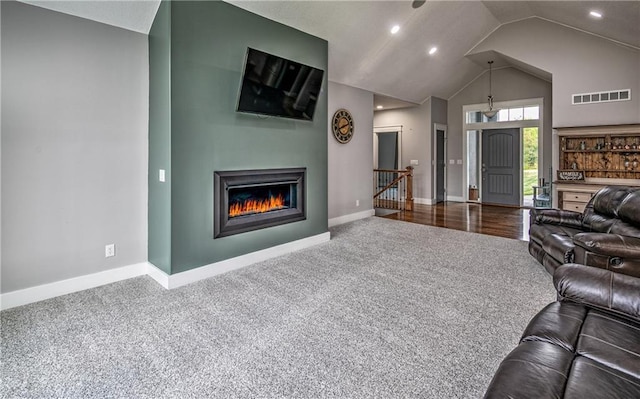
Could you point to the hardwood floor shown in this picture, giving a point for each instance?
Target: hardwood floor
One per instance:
(484, 219)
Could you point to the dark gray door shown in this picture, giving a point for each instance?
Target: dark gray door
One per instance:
(441, 164)
(387, 157)
(501, 166)
(388, 150)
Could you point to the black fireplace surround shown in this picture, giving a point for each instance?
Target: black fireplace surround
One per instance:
(246, 200)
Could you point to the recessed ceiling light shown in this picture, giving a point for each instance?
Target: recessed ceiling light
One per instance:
(395, 29)
(595, 14)
(433, 50)
(379, 107)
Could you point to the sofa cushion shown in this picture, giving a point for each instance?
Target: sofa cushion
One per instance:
(532, 368)
(625, 229)
(628, 210)
(611, 341)
(558, 323)
(559, 247)
(589, 379)
(538, 232)
(602, 212)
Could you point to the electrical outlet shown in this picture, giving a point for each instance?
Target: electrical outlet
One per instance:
(109, 250)
(357, 202)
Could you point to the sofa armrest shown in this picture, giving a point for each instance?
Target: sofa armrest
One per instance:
(599, 288)
(556, 216)
(609, 244)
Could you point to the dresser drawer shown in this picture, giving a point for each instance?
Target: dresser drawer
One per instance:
(574, 206)
(576, 197)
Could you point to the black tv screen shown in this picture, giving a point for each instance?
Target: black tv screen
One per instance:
(276, 86)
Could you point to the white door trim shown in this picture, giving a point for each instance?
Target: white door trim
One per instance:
(387, 129)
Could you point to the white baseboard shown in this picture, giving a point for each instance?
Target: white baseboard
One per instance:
(351, 217)
(455, 199)
(213, 269)
(46, 291)
(424, 201)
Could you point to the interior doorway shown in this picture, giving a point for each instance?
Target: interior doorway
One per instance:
(388, 150)
(439, 162)
(501, 167)
(387, 157)
(387, 147)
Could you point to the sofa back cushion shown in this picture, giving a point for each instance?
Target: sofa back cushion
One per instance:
(610, 205)
(629, 210)
(629, 214)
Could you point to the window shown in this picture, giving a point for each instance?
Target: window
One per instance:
(527, 113)
(531, 113)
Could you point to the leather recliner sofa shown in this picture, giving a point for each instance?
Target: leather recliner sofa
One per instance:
(605, 235)
(585, 345)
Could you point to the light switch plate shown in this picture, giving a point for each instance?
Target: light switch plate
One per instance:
(161, 176)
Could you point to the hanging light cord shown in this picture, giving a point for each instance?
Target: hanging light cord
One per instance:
(490, 96)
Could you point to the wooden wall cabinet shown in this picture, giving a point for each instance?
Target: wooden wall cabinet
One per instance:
(608, 155)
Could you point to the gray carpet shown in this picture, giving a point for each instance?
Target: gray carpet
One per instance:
(386, 309)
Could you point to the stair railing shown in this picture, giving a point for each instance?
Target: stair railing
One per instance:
(393, 189)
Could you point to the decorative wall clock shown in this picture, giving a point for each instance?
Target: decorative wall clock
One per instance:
(342, 126)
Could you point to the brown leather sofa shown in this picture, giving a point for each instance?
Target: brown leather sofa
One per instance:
(605, 235)
(586, 345)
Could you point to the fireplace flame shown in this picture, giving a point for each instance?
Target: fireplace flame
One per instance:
(256, 206)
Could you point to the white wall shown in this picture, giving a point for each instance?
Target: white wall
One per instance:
(74, 146)
(508, 84)
(579, 63)
(351, 164)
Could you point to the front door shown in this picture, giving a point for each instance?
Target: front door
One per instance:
(501, 166)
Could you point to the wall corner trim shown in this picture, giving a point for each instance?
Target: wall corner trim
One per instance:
(351, 217)
(46, 291)
(158, 275)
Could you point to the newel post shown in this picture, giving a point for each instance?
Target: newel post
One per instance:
(409, 199)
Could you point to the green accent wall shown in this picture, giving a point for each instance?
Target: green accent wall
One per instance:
(159, 209)
(207, 50)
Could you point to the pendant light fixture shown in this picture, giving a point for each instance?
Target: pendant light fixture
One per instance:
(491, 112)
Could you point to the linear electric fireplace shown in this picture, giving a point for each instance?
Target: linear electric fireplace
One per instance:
(246, 200)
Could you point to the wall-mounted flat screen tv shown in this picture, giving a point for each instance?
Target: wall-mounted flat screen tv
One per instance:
(276, 86)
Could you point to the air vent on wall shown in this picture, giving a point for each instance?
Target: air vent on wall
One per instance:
(601, 97)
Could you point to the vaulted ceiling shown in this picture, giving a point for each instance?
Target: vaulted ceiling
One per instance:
(364, 53)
